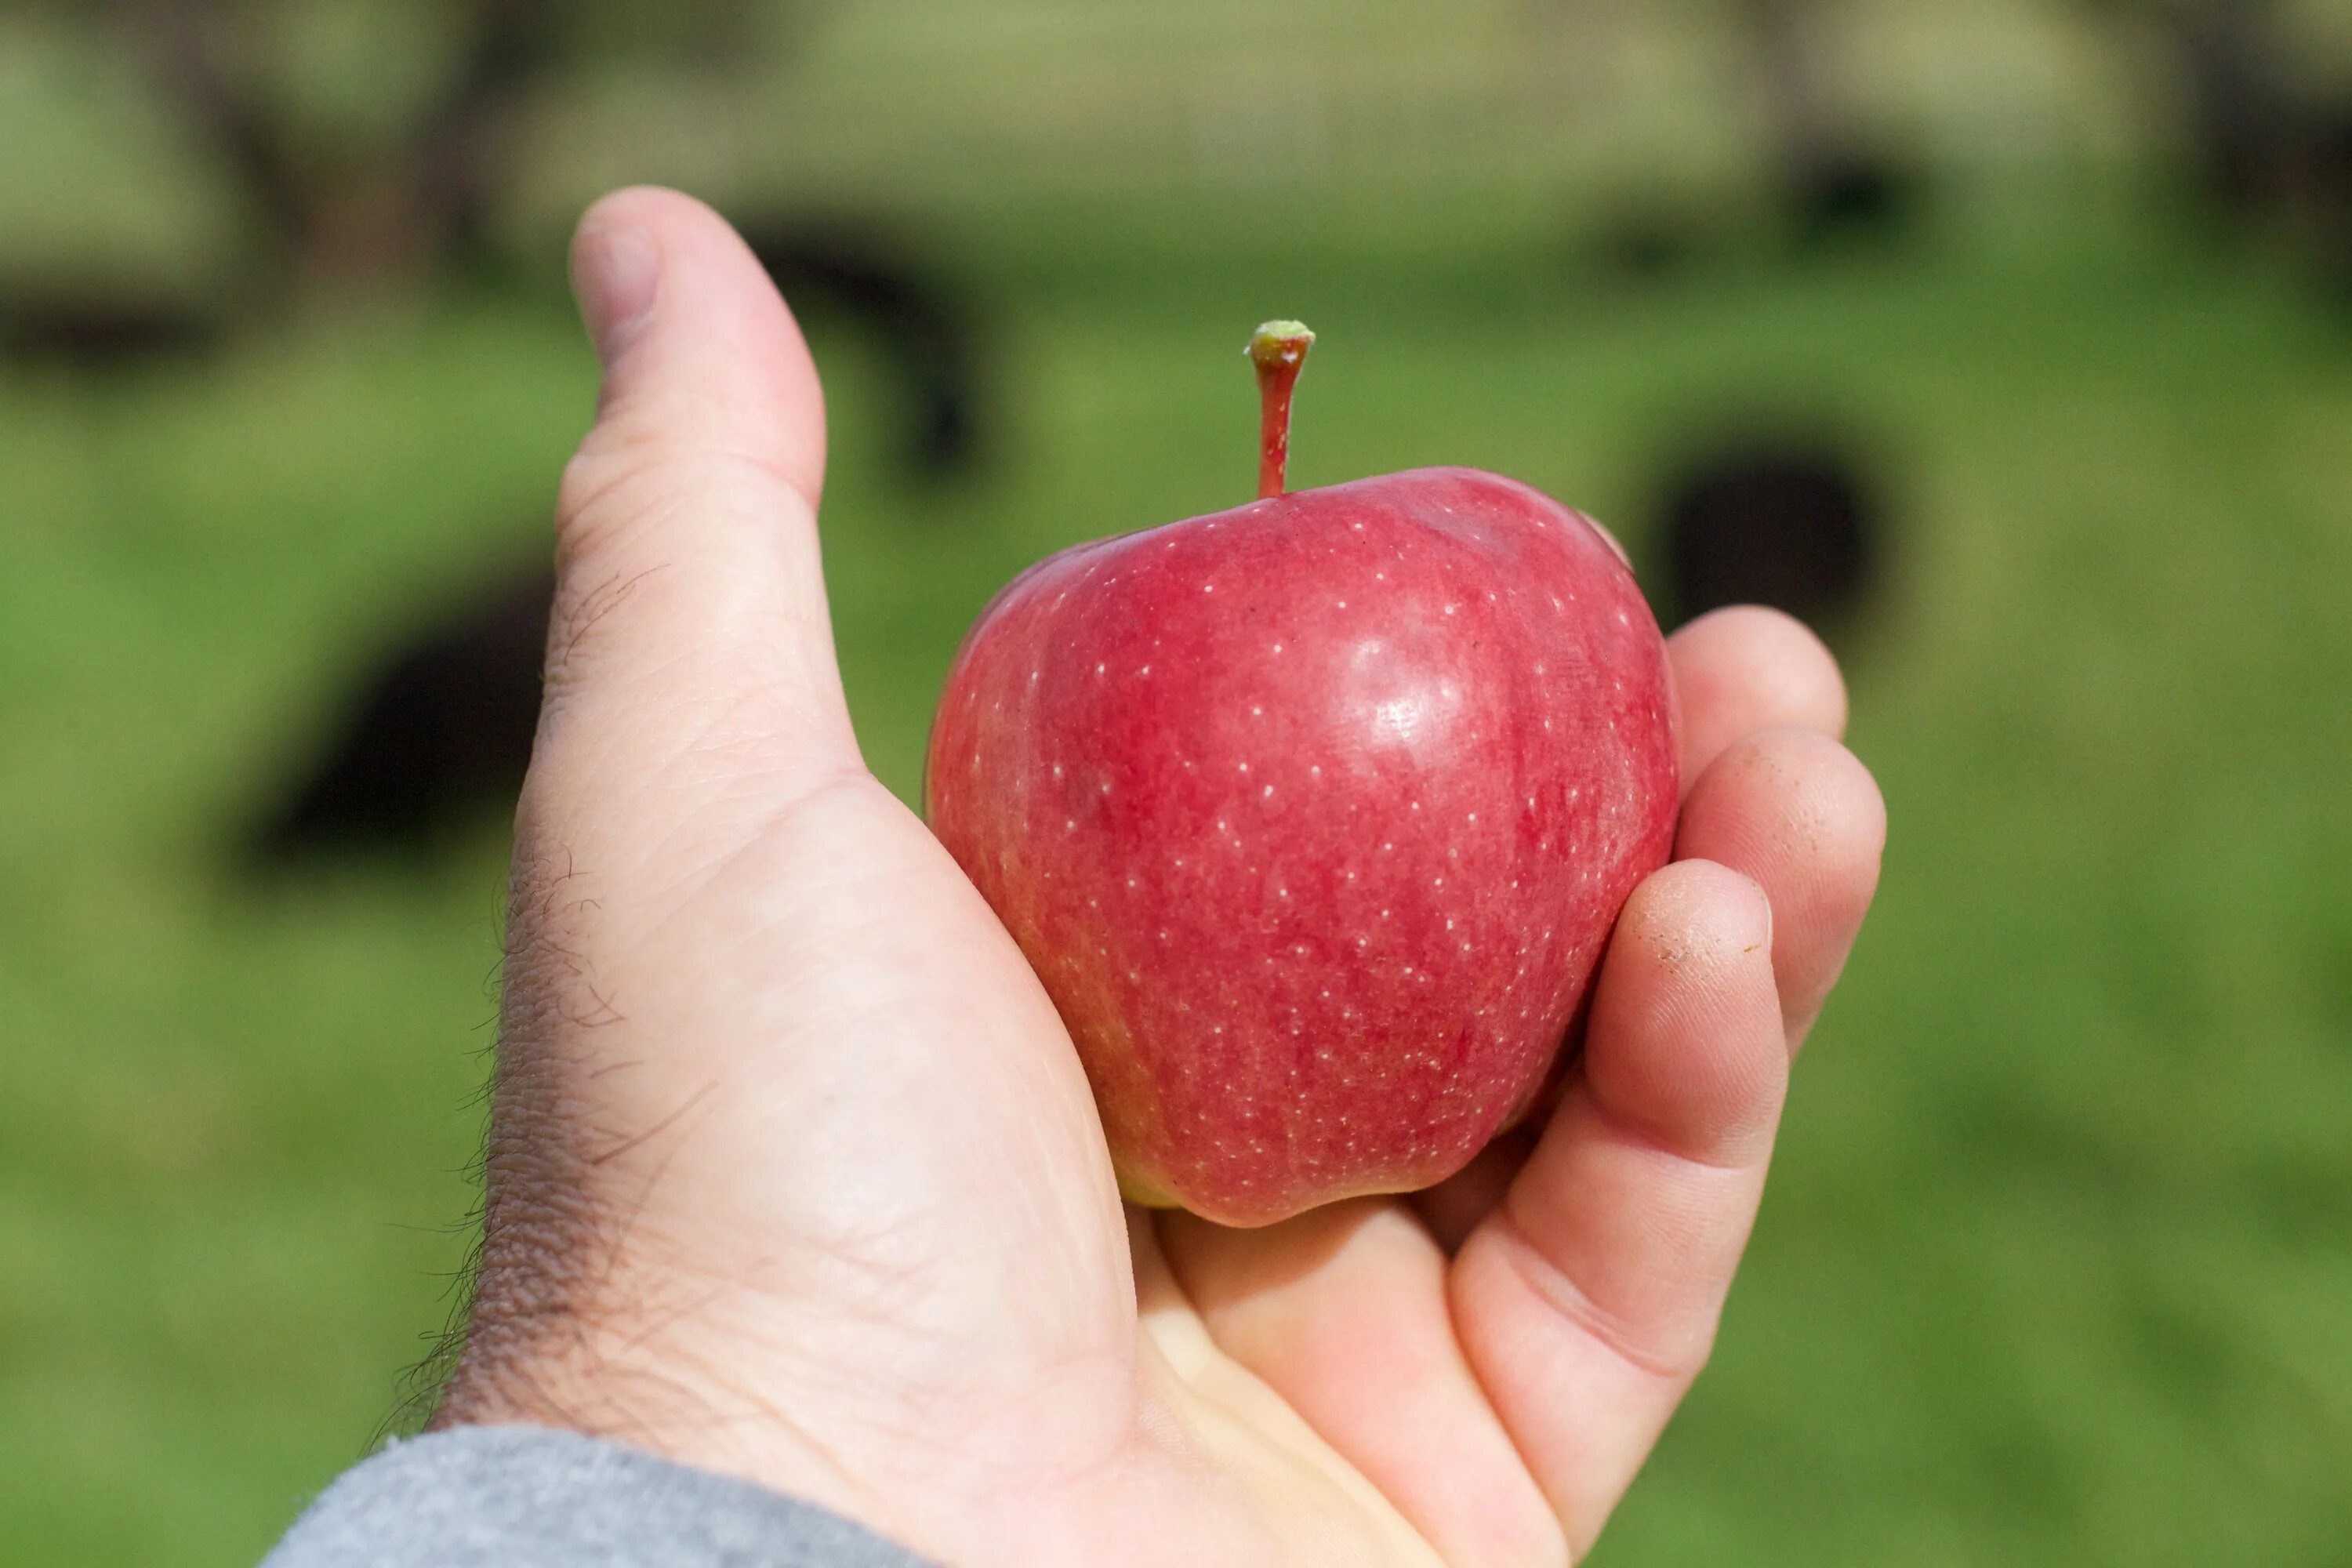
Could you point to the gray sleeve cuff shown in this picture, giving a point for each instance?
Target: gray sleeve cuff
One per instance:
(520, 1497)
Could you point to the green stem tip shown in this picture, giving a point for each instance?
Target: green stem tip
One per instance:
(1277, 349)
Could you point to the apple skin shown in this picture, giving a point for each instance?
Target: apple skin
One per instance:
(1314, 816)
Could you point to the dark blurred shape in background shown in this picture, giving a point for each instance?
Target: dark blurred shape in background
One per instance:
(1790, 521)
(430, 743)
(919, 324)
(98, 327)
(1851, 191)
(2272, 139)
(1835, 181)
(1830, 178)
(417, 201)
(414, 199)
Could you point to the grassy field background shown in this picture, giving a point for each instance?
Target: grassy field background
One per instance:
(2057, 1265)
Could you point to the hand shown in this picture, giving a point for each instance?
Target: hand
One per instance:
(792, 1171)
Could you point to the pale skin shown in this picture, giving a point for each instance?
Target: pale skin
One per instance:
(793, 1173)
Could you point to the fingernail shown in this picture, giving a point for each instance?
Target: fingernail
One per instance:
(615, 273)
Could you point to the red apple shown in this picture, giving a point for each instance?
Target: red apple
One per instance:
(1313, 816)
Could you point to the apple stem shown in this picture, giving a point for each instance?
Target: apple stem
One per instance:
(1277, 349)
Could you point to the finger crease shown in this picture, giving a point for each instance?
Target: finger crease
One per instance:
(1552, 1285)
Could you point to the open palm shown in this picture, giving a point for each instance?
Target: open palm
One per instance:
(792, 1170)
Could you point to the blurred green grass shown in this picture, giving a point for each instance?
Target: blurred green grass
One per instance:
(2055, 1268)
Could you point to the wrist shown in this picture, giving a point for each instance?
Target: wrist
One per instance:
(663, 1384)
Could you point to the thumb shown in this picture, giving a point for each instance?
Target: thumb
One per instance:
(689, 646)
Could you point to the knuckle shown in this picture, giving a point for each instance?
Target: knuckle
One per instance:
(614, 480)
(631, 475)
